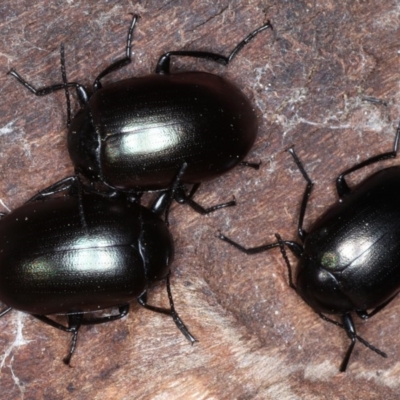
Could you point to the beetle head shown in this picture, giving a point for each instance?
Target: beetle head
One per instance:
(156, 246)
(84, 145)
(320, 288)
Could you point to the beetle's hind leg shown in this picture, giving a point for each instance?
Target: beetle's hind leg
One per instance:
(142, 300)
(163, 64)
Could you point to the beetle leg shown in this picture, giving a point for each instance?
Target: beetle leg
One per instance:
(250, 164)
(341, 184)
(178, 322)
(60, 186)
(300, 231)
(47, 89)
(67, 184)
(296, 248)
(350, 329)
(163, 202)
(123, 311)
(251, 250)
(74, 323)
(365, 315)
(5, 311)
(163, 64)
(142, 300)
(182, 198)
(348, 326)
(123, 61)
(65, 82)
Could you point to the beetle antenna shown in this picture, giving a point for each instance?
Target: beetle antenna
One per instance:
(123, 61)
(285, 257)
(371, 347)
(247, 40)
(307, 192)
(81, 208)
(66, 89)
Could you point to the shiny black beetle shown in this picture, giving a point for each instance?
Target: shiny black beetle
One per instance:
(81, 253)
(350, 259)
(135, 134)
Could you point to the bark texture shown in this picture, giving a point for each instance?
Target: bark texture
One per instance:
(311, 80)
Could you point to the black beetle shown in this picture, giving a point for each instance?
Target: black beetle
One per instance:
(349, 260)
(80, 253)
(135, 134)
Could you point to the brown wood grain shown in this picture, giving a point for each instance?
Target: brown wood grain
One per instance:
(309, 81)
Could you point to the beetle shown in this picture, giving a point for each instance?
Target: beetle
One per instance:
(83, 252)
(136, 133)
(349, 260)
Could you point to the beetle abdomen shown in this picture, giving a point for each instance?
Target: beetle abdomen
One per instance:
(150, 126)
(63, 255)
(73, 280)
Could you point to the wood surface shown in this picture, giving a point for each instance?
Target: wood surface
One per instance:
(311, 81)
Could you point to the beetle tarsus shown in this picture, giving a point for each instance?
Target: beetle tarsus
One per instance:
(343, 365)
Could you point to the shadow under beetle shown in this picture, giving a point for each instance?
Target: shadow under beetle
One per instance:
(81, 253)
(136, 133)
(349, 261)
